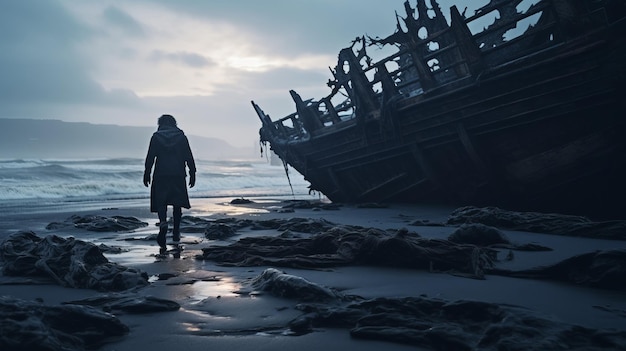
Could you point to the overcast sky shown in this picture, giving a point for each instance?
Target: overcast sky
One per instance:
(128, 62)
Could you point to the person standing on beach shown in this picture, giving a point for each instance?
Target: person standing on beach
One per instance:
(170, 147)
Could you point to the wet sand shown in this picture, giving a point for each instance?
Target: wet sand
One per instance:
(220, 312)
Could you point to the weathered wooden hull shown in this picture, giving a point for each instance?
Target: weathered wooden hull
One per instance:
(543, 133)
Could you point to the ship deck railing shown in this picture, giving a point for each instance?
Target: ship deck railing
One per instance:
(448, 67)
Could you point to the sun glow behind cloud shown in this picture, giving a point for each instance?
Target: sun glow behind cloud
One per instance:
(265, 63)
(176, 54)
(125, 62)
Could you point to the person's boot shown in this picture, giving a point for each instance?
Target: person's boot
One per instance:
(162, 233)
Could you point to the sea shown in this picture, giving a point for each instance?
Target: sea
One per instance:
(27, 183)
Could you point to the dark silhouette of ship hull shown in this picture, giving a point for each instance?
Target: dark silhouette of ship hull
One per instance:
(535, 122)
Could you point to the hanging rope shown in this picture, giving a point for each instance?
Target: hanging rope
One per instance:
(286, 166)
(264, 150)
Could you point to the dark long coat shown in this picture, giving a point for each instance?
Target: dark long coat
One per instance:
(170, 147)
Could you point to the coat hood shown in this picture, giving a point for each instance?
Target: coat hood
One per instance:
(169, 136)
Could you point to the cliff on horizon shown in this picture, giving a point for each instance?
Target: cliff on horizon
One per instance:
(41, 139)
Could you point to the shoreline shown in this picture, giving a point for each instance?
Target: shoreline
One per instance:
(218, 311)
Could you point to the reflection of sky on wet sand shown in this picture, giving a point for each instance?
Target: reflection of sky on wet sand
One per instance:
(223, 286)
(238, 316)
(191, 287)
(190, 280)
(209, 295)
(220, 303)
(223, 206)
(136, 250)
(207, 208)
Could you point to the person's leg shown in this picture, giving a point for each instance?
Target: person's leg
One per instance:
(178, 214)
(162, 212)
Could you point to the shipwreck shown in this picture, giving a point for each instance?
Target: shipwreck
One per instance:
(455, 115)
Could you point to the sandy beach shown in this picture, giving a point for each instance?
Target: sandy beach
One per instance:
(220, 310)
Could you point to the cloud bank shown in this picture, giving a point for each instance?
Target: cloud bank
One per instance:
(121, 62)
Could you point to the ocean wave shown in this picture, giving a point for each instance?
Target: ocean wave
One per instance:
(55, 179)
(52, 173)
(35, 161)
(58, 191)
(103, 161)
(20, 163)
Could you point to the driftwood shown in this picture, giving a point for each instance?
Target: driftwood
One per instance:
(68, 262)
